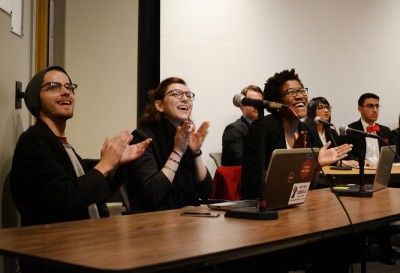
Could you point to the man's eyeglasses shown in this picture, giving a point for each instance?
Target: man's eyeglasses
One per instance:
(372, 106)
(177, 93)
(56, 86)
(322, 107)
(293, 92)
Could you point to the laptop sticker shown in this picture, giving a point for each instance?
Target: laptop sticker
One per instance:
(306, 170)
(299, 193)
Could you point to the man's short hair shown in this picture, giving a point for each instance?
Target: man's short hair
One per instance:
(366, 96)
(254, 88)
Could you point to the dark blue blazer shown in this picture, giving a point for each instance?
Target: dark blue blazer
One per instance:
(232, 142)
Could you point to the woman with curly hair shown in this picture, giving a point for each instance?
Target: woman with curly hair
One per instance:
(283, 130)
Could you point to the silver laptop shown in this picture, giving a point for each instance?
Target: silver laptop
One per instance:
(287, 181)
(382, 175)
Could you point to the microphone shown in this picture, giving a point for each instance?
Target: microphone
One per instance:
(239, 100)
(319, 120)
(346, 130)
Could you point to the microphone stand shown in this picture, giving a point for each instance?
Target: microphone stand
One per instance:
(361, 163)
(259, 213)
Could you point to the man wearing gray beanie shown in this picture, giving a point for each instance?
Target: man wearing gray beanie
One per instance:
(49, 181)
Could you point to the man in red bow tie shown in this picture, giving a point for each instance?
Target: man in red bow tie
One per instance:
(368, 106)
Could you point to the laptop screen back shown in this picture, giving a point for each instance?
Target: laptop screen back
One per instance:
(289, 176)
(384, 168)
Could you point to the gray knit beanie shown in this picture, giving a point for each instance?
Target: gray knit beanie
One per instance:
(32, 91)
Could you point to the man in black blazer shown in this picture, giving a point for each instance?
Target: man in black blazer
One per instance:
(235, 133)
(49, 181)
(368, 106)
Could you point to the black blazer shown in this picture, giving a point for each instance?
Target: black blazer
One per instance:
(384, 133)
(274, 139)
(396, 140)
(330, 135)
(232, 142)
(148, 187)
(44, 184)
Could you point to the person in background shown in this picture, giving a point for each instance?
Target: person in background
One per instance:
(320, 107)
(368, 107)
(396, 138)
(235, 133)
(171, 173)
(49, 181)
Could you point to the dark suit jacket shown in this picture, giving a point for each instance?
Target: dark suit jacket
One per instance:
(274, 139)
(44, 184)
(350, 139)
(330, 135)
(232, 142)
(396, 140)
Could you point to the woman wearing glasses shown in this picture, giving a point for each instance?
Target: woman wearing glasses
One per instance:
(171, 173)
(319, 109)
(284, 130)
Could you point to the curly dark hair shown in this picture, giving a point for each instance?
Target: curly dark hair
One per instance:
(151, 115)
(312, 108)
(272, 88)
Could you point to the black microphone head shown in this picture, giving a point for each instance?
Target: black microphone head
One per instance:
(343, 129)
(237, 100)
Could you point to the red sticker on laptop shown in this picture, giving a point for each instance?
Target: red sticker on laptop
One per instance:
(306, 169)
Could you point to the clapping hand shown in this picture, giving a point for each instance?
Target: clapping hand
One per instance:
(134, 151)
(196, 138)
(116, 151)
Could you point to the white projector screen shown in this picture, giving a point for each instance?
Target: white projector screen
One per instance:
(340, 49)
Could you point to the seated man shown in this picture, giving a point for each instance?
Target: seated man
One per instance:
(235, 133)
(368, 106)
(49, 181)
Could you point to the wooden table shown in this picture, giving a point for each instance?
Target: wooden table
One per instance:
(352, 176)
(327, 170)
(158, 241)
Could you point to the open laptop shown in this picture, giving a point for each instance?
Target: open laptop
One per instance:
(382, 175)
(287, 181)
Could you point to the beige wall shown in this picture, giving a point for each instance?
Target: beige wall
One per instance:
(101, 57)
(15, 66)
(15, 59)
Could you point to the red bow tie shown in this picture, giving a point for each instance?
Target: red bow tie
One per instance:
(372, 129)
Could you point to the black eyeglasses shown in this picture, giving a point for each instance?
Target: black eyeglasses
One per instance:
(177, 93)
(291, 92)
(372, 106)
(56, 86)
(322, 107)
